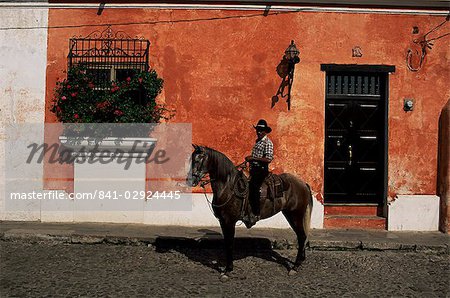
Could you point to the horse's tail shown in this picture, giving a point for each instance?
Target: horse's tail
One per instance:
(308, 212)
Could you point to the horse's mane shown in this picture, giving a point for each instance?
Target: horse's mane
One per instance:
(220, 165)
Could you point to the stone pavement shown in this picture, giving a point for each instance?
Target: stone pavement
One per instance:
(210, 237)
(54, 269)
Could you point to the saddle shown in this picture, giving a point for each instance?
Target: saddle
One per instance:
(272, 187)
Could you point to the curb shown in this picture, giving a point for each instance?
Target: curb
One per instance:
(279, 244)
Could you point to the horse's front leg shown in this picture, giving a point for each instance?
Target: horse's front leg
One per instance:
(228, 230)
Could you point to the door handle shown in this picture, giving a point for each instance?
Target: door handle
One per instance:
(350, 155)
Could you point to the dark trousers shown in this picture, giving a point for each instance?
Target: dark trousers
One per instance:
(257, 175)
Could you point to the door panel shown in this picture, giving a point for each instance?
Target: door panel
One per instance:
(355, 133)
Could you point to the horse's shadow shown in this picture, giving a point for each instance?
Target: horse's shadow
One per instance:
(208, 249)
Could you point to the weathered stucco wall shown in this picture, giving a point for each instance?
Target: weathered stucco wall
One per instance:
(219, 69)
(22, 84)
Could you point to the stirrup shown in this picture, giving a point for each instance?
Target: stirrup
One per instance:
(250, 220)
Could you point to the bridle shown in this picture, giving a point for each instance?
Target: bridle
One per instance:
(198, 175)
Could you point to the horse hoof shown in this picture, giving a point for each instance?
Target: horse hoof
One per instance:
(224, 277)
(292, 272)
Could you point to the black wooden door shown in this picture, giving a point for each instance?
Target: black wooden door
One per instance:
(355, 149)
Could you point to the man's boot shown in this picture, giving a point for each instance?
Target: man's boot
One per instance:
(250, 220)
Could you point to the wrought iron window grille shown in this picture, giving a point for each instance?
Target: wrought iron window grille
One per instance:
(109, 56)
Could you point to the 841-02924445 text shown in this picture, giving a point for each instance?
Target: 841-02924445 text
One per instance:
(98, 195)
(139, 195)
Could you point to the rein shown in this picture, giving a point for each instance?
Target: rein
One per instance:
(234, 189)
(206, 182)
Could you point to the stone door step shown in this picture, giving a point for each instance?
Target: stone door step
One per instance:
(354, 222)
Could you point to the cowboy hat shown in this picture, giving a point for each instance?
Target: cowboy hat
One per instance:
(262, 125)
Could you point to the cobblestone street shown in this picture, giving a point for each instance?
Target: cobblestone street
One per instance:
(47, 269)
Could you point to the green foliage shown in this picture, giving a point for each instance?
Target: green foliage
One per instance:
(78, 100)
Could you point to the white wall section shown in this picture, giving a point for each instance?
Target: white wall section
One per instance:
(22, 85)
(414, 213)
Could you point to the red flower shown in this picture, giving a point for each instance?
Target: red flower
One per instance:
(74, 94)
(63, 98)
(58, 109)
(68, 86)
(76, 116)
(118, 113)
(103, 104)
(140, 80)
(128, 79)
(114, 87)
(91, 85)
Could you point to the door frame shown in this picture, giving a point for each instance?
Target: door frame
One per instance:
(386, 70)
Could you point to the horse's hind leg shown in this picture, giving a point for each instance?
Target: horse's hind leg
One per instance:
(296, 221)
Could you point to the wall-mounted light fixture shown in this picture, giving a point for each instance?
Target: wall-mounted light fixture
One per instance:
(291, 55)
(286, 71)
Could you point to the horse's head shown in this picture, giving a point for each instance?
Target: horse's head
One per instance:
(199, 162)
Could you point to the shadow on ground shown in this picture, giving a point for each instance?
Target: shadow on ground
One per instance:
(208, 249)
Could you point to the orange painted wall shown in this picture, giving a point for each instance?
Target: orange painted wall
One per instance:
(219, 69)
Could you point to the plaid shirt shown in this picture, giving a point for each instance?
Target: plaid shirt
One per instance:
(263, 148)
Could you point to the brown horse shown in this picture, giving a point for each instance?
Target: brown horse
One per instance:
(296, 204)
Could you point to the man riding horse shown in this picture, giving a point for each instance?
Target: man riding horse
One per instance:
(229, 203)
(262, 155)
